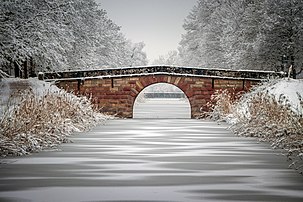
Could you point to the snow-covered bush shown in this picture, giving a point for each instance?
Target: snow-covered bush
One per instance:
(43, 121)
(274, 122)
(271, 112)
(221, 104)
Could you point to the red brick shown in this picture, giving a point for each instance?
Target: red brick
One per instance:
(127, 88)
(121, 98)
(132, 82)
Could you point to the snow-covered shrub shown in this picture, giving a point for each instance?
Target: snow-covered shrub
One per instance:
(273, 121)
(221, 104)
(43, 121)
(271, 112)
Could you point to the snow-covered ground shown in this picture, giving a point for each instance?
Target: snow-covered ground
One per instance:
(291, 89)
(288, 92)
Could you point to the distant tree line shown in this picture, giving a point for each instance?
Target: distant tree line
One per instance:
(52, 35)
(242, 34)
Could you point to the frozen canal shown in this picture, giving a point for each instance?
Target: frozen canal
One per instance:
(152, 160)
(162, 108)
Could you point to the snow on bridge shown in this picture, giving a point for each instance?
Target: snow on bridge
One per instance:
(167, 70)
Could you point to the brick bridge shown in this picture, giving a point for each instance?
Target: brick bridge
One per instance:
(115, 90)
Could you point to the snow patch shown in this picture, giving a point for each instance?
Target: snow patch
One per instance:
(291, 89)
(286, 91)
(41, 87)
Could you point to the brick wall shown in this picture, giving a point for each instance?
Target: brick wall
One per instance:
(116, 96)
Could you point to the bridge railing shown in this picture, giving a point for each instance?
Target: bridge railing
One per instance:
(167, 70)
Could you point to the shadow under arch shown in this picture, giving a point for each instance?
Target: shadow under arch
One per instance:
(162, 100)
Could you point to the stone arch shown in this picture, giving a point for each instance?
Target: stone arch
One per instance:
(116, 96)
(186, 84)
(147, 86)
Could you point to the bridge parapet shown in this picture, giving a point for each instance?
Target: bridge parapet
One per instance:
(164, 70)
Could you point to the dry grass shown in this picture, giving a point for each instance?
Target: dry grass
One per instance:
(221, 104)
(275, 122)
(37, 123)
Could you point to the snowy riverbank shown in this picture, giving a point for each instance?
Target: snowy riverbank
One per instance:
(36, 115)
(271, 112)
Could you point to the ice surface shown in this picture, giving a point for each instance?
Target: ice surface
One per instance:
(153, 160)
(162, 108)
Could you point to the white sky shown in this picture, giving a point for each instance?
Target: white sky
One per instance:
(158, 23)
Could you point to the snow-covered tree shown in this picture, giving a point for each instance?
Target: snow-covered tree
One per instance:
(34, 30)
(60, 35)
(241, 22)
(171, 58)
(282, 33)
(200, 46)
(136, 54)
(244, 34)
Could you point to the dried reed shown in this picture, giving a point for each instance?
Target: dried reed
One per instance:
(40, 122)
(259, 114)
(273, 121)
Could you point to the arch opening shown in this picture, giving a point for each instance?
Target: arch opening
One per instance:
(162, 100)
